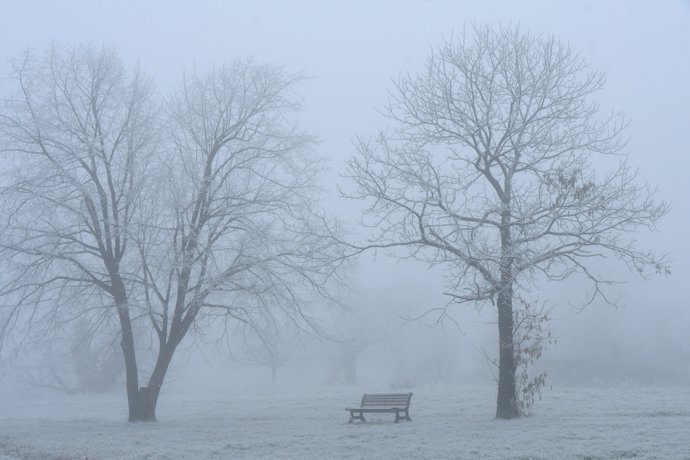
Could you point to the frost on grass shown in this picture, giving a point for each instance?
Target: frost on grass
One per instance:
(623, 421)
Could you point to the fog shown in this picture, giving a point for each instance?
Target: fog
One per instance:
(351, 54)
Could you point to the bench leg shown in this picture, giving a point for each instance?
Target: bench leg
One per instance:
(405, 417)
(356, 417)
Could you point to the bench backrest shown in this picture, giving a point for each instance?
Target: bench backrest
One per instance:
(398, 400)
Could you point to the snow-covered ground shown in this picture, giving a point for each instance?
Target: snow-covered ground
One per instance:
(621, 421)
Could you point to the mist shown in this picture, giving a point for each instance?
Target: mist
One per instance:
(334, 310)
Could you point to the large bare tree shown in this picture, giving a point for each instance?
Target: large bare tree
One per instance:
(241, 233)
(75, 139)
(169, 218)
(499, 164)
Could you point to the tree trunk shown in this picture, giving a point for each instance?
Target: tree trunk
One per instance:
(129, 353)
(127, 342)
(506, 406)
(349, 361)
(148, 396)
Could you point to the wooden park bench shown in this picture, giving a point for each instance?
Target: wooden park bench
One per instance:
(391, 402)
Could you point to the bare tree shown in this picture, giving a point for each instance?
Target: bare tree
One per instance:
(269, 342)
(240, 233)
(105, 212)
(97, 363)
(75, 140)
(355, 330)
(489, 169)
(74, 361)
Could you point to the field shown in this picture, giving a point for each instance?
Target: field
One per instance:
(621, 421)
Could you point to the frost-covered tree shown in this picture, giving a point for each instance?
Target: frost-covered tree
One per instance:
(232, 228)
(491, 167)
(168, 215)
(76, 137)
(269, 341)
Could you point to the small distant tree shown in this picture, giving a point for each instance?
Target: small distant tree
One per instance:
(79, 361)
(490, 168)
(344, 364)
(269, 343)
(51, 369)
(97, 360)
(355, 330)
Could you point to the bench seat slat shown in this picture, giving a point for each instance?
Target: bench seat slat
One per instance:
(388, 409)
